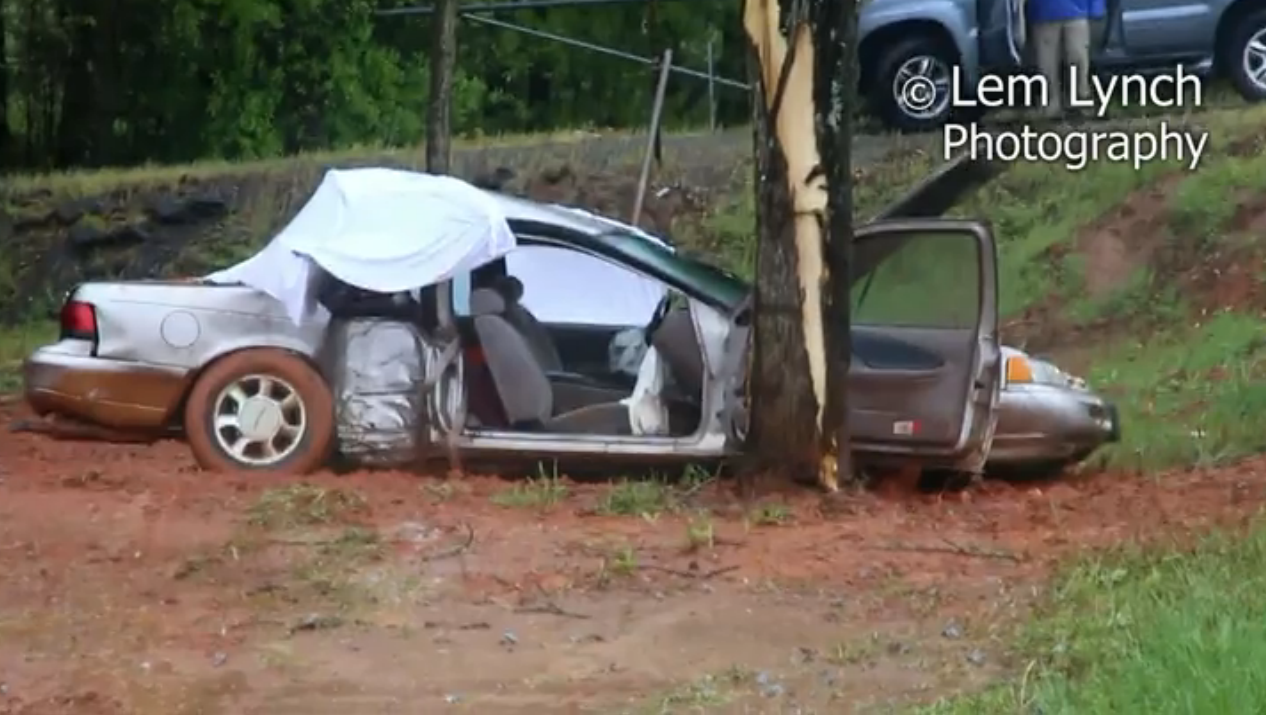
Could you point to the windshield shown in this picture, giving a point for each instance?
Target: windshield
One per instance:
(719, 283)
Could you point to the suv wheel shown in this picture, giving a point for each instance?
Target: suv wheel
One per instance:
(911, 87)
(1245, 58)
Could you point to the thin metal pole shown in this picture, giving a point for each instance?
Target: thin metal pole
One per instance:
(656, 111)
(712, 89)
(597, 48)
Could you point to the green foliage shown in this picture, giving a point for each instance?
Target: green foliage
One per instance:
(135, 81)
(1189, 396)
(1155, 632)
(16, 343)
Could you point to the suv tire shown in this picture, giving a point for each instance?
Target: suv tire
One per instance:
(885, 99)
(1252, 26)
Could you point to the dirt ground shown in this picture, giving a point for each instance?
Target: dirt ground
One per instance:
(133, 583)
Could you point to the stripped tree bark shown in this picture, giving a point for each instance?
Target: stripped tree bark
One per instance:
(798, 380)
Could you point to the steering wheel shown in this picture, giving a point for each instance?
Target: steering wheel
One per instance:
(661, 312)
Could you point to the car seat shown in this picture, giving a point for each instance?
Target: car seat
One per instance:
(521, 381)
(538, 338)
(677, 342)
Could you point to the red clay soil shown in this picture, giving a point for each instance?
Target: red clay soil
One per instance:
(1124, 240)
(133, 584)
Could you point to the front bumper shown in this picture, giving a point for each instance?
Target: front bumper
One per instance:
(65, 379)
(1040, 424)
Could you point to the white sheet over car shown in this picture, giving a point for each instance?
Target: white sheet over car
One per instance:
(383, 230)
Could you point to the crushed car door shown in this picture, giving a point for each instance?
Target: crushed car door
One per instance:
(924, 375)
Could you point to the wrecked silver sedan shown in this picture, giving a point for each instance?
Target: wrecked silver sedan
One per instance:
(402, 316)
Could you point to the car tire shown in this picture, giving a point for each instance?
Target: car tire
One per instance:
(284, 398)
(1251, 27)
(884, 98)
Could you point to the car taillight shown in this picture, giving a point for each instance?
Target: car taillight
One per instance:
(79, 320)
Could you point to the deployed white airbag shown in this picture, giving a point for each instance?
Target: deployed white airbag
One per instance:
(383, 230)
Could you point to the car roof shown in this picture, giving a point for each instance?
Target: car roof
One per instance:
(521, 210)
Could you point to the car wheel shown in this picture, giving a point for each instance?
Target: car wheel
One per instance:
(1245, 58)
(910, 91)
(261, 410)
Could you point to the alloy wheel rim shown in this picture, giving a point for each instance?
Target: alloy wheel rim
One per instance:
(1254, 60)
(918, 77)
(259, 420)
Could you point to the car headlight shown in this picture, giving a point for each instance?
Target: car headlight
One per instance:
(1023, 370)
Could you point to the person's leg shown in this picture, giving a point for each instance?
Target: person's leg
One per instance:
(1098, 36)
(1077, 53)
(1046, 49)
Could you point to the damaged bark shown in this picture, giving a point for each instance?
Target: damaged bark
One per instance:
(834, 100)
(798, 382)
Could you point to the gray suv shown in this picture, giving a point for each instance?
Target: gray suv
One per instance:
(900, 39)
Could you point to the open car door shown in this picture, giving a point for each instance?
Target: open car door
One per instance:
(925, 371)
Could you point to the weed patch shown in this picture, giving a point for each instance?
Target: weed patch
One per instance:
(645, 498)
(304, 505)
(536, 493)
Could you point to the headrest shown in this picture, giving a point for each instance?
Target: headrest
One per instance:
(510, 288)
(486, 301)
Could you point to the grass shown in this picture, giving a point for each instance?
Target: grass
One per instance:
(96, 181)
(15, 345)
(541, 492)
(1188, 396)
(1154, 631)
(644, 498)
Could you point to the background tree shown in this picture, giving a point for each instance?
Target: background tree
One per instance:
(133, 81)
(439, 106)
(4, 87)
(798, 383)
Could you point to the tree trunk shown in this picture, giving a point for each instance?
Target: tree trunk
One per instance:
(4, 89)
(797, 364)
(439, 158)
(439, 107)
(783, 432)
(834, 99)
(77, 119)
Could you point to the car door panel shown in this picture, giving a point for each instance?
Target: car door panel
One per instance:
(920, 406)
(925, 368)
(886, 353)
(1167, 27)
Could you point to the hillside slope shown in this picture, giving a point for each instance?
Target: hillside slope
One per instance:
(62, 229)
(1149, 282)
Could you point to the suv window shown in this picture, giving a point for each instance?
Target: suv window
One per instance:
(927, 280)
